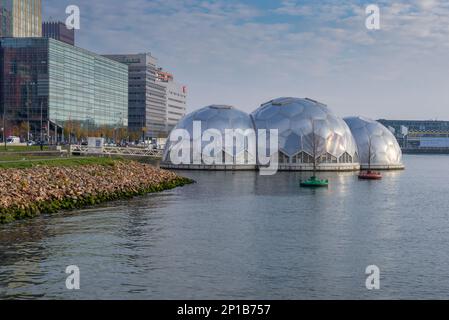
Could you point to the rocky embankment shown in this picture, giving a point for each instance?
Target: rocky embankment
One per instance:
(25, 193)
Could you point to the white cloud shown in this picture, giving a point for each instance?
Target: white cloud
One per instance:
(427, 4)
(228, 53)
(292, 8)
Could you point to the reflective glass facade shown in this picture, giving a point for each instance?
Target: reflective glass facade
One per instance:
(50, 80)
(20, 18)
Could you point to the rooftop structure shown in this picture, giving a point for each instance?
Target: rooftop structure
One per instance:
(176, 98)
(58, 31)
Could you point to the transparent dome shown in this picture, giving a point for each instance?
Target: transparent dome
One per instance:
(219, 118)
(385, 150)
(306, 125)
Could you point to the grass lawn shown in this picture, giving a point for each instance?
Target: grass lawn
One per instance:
(57, 162)
(10, 148)
(18, 157)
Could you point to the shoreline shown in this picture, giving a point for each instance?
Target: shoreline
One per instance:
(27, 193)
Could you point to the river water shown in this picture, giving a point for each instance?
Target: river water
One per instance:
(244, 236)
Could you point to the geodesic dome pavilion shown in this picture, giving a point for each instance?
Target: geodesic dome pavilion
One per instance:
(218, 118)
(375, 141)
(308, 129)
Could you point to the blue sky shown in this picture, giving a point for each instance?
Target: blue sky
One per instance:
(245, 53)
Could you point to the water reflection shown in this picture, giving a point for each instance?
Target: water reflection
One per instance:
(241, 235)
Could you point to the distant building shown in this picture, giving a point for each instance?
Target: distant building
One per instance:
(58, 31)
(176, 95)
(20, 18)
(147, 100)
(58, 88)
(420, 135)
(417, 125)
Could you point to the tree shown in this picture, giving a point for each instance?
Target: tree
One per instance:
(24, 129)
(68, 130)
(134, 135)
(15, 131)
(107, 132)
(77, 131)
(121, 134)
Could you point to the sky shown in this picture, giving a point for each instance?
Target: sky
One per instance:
(245, 53)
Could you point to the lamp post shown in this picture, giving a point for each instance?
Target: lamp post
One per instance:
(42, 129)
(118, 126)
(3, 132)
(56, 127)
(4, 125)
(28, 107)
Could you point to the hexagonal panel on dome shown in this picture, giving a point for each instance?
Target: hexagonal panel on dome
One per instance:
(267, 113)
(280, 122)
(204, 114)
(219, 122)
(302, 126)
(291, 110)
(291, 143)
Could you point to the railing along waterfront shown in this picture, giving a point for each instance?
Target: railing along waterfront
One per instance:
(119, 151)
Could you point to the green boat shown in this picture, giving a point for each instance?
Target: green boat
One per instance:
(313, 182)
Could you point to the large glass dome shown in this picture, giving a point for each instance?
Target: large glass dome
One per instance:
(218, 118)
(375, 140)
(308, 128)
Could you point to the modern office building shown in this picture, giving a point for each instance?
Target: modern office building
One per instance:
(176, 99)
(20, 18)
(417, 125)
(420, 135)
(147, 107)
(58, 31)
(56, 87)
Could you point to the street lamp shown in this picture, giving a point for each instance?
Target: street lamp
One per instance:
(32, 83)
(42, 129)
(4, 125)
(119, 126)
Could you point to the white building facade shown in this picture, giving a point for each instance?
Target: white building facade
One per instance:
(176, 102)
(147, 101)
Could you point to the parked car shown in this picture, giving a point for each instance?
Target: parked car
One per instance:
(13, 140)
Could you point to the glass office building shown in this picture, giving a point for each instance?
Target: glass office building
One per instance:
(51, 85)
(20, 18)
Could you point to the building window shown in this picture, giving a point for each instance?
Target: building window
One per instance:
(345, 158)
(302, 157)
(283, 158)
(327, 158)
